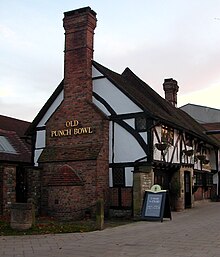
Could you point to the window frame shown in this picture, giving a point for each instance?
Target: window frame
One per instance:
(121, 183)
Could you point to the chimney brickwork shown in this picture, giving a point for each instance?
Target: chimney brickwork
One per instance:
(79, 28)
(171, 88)
(77, 134)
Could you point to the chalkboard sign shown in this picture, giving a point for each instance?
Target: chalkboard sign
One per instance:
(156, 206)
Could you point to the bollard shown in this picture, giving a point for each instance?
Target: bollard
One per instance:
(100, 214)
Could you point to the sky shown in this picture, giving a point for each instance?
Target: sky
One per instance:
(157, 39)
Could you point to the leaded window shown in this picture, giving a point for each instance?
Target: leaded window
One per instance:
(118, 175)
(141, 123)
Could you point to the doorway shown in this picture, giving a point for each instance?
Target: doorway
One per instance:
(187, 189)
(21, 185)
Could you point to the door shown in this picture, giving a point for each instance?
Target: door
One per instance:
(21, 185)
(187, 189)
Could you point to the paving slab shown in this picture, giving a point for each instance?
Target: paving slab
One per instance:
(192, 233)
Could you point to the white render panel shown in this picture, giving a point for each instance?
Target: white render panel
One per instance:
(119, 102)
(215, 178)
(130, 122)
(129, 176)
(40, 139)
(144, 135)
(95, 72)
(52, 109)
(36, 156)
(110, 178)
(157, 153)
(126, 147)
(110, 141)
(101, 106)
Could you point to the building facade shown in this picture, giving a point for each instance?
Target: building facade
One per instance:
(209, 118)
(110, 136)
(15, 157)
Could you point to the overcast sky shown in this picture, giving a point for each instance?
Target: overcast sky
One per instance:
(156, 39)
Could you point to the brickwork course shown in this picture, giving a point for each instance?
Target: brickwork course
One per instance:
(191, 233)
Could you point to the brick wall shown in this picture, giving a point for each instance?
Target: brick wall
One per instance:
(34, 187)
(8, 197)
(202, 193)
(71, 201)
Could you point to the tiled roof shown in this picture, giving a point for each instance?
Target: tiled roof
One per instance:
(213, 129)
(23, 153)
(13, 130)
(12, 124)
(152, 103)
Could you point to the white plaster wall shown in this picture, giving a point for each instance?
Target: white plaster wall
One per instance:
(36, 156)
(157, 153)
(119, 102)
(129, 176)
(110, 142)
(95, 72)
(144, 136)
(130, 122)
(101, 106)
(41, 135)
(110, 178)
(51, 110)
(126, 148)
(40, 139)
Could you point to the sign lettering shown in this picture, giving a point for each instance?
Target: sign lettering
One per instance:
(71, 129)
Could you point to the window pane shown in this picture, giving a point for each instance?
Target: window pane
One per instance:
(141, 123)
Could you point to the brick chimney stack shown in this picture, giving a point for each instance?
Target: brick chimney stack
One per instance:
(79, 28)
(171, 88)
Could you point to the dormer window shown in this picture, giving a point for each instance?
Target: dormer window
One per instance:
(5, 146)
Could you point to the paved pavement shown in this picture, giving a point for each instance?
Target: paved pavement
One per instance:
(192, 233)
